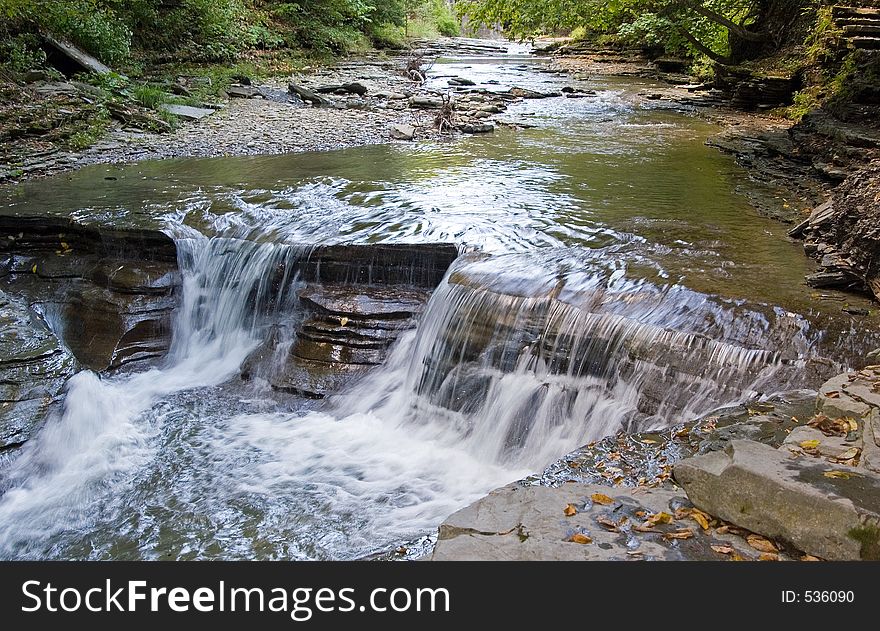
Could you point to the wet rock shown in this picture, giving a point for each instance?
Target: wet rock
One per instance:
(772, 493)
(243, 92)
(525, 93)
(307, 95)
(366, 302)
(187, 112)
(110, 293)
(426, 102)
(476, 128)
(346, 88)
(517, 523)
(403, 132)
(835, 402)
(460, 81)
(34, 366)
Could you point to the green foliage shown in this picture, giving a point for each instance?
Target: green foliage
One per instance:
(388, 36)
(21, 52)
(149, 96)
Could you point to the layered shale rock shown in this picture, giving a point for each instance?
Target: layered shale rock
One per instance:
(108, 293)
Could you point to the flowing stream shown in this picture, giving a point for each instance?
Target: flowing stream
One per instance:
(613, 279)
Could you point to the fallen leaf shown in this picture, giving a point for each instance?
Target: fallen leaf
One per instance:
(736, 557)
(810, 557)
(579, 538)
(681, 513)
(840, 475)
(761, 544)
(633, 553)
(34, 269)
(810, 444)
(768, 556)
(343, 321)
(722, 549)
(640, 513)
(646, 527)
(681, 533)
(660, 518)
(722, 530)
(570, 510)
(601, 498)
(833, 394)
(607, 523)
(650, 441)
(849, 454)
(700, 518)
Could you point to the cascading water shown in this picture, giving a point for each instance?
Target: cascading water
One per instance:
(105, 430)
(516, 361)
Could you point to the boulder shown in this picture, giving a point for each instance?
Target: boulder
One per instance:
(460, 81)
(828, 511)
(403, 131)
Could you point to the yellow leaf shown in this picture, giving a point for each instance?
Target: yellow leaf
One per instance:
(34, 269)
(700, 518)
(660, 518)
(570, 510)
(722, 549)
(810, 557)
(852, 424)
(768, 556)
(810, 444)
(649, 441)
(840, 475)
(761, 544)
(579, 538)
(601, 498)
(343, 321)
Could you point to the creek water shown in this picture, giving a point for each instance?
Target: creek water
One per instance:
(614, 278)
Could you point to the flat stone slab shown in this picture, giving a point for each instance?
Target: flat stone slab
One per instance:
(827, 510)
(364, 301)
(535, 523)
(187, 112)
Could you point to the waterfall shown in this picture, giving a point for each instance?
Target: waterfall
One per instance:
(517, 360)
(103, 433)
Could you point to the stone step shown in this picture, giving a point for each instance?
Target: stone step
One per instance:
(857, 22)
(359, 301)
(868, 30)
(866, 43)
(843, 12)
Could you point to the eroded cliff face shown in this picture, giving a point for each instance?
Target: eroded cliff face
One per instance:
(844, 234)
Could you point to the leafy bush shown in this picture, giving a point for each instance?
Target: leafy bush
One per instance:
(388, 36)
(21, 52)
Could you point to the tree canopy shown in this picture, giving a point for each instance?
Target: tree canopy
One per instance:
(724, 30)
